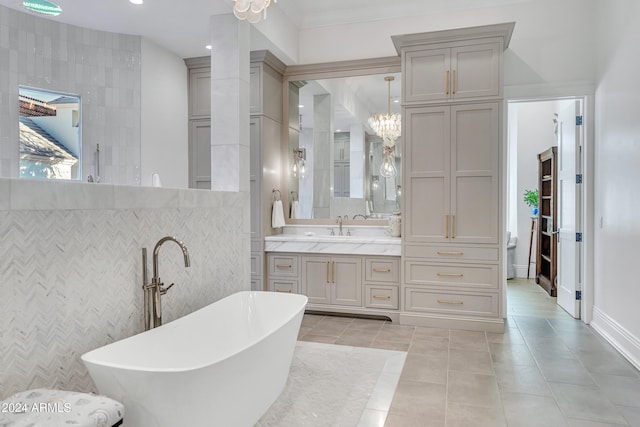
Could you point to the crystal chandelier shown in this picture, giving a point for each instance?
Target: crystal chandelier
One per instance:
(387, 126)
(251, 10)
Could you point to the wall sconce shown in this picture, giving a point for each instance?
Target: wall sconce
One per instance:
(375, 181)
(388, 168)
(299, 156)
(399, 190)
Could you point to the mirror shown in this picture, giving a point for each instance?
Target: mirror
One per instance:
(334, 155)
(50, 136)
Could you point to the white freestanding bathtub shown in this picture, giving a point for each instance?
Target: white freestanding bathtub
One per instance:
(223, 365)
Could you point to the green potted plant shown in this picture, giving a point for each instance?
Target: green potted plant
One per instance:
(531, 199)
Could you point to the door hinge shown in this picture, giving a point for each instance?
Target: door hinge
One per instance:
(579, 178)
(578, 295)
(578, 237)
(578, 120)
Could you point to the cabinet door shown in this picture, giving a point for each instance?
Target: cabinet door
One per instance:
(427, 179)
(200, 154)
(474, 173)
(346, 281)
(255, 183)
(255, 89)
(427, 75)
(316, 277)
(475, 71)
(200, 93)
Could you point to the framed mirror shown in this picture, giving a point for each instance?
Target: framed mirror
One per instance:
(333, 154)
(50, 134)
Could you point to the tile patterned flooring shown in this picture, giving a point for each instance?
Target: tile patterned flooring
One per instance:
(546, 370)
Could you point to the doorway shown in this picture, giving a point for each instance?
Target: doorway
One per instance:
(533, 127)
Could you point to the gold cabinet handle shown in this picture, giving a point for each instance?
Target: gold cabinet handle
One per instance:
(285, 291)
(453, 226)
(450, 253)
(453, 83)
(333, 272)
(327, 274)
(444, 301)
(446, 228)
(446, 87)
(382, 270)
(450, 274)
(283, 266)
(382, 297)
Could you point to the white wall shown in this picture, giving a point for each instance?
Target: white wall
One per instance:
(164, 117)
(617, 174)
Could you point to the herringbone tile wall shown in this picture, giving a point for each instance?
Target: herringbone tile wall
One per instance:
(70, 280)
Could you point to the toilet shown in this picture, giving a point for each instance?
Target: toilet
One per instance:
(54, 408)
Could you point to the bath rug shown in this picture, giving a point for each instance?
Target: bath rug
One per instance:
(337, 386)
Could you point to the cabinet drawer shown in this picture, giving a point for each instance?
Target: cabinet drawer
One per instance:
(457, 303)
(284, 285)
(481, 276)
(451, 253)
(381, 296)
(382, 270)
(283, 265)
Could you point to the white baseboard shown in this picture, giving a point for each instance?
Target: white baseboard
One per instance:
(625, 342)
(521, 271)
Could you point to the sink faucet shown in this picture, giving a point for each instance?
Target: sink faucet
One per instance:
(153, 291)
(339, 221)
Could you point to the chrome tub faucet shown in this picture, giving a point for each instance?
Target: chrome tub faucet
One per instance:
(153, 291)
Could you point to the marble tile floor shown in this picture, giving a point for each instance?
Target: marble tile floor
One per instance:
(546, 370)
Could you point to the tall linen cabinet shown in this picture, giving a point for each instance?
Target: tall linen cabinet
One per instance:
(452, 246)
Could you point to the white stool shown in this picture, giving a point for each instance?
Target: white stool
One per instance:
(55, 408)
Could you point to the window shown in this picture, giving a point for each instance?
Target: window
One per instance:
(49, 134)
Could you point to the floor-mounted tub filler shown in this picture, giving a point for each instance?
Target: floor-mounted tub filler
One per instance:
(223, 365)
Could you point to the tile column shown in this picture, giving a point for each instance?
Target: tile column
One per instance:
(230, 42)
(322, 156)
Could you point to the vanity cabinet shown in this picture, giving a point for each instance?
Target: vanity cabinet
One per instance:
(339, 283)
(333, 280)
(457, 71)
(452, 173)
(451, 249)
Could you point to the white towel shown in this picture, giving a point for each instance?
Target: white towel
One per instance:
(155, 180)
(367, 211)
(277, 215)
(295, 210)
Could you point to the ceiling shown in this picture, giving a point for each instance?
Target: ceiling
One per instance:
(183, 26)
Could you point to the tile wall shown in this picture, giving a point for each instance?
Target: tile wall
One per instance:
(70, 269)
(103, 68)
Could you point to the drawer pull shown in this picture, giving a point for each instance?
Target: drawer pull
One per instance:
(382, 297)
(450, 253)
(283, 266)
(280, 290)
(444, 301)
(382, 270)
(450, 274)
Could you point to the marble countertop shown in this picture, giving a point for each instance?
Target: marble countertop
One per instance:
(325, 244)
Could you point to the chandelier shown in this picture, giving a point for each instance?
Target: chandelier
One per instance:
(387, 126)
(251, 10)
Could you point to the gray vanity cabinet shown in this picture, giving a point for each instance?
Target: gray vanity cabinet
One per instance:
(333, 280)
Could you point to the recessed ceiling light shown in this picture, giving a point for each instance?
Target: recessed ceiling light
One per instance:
(136, 1)
(208, 46)
(396, 101)
(42, 6)
(300, 106)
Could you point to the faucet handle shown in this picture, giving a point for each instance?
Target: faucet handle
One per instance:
(164, 290)
(348, 232)
(332, 232)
